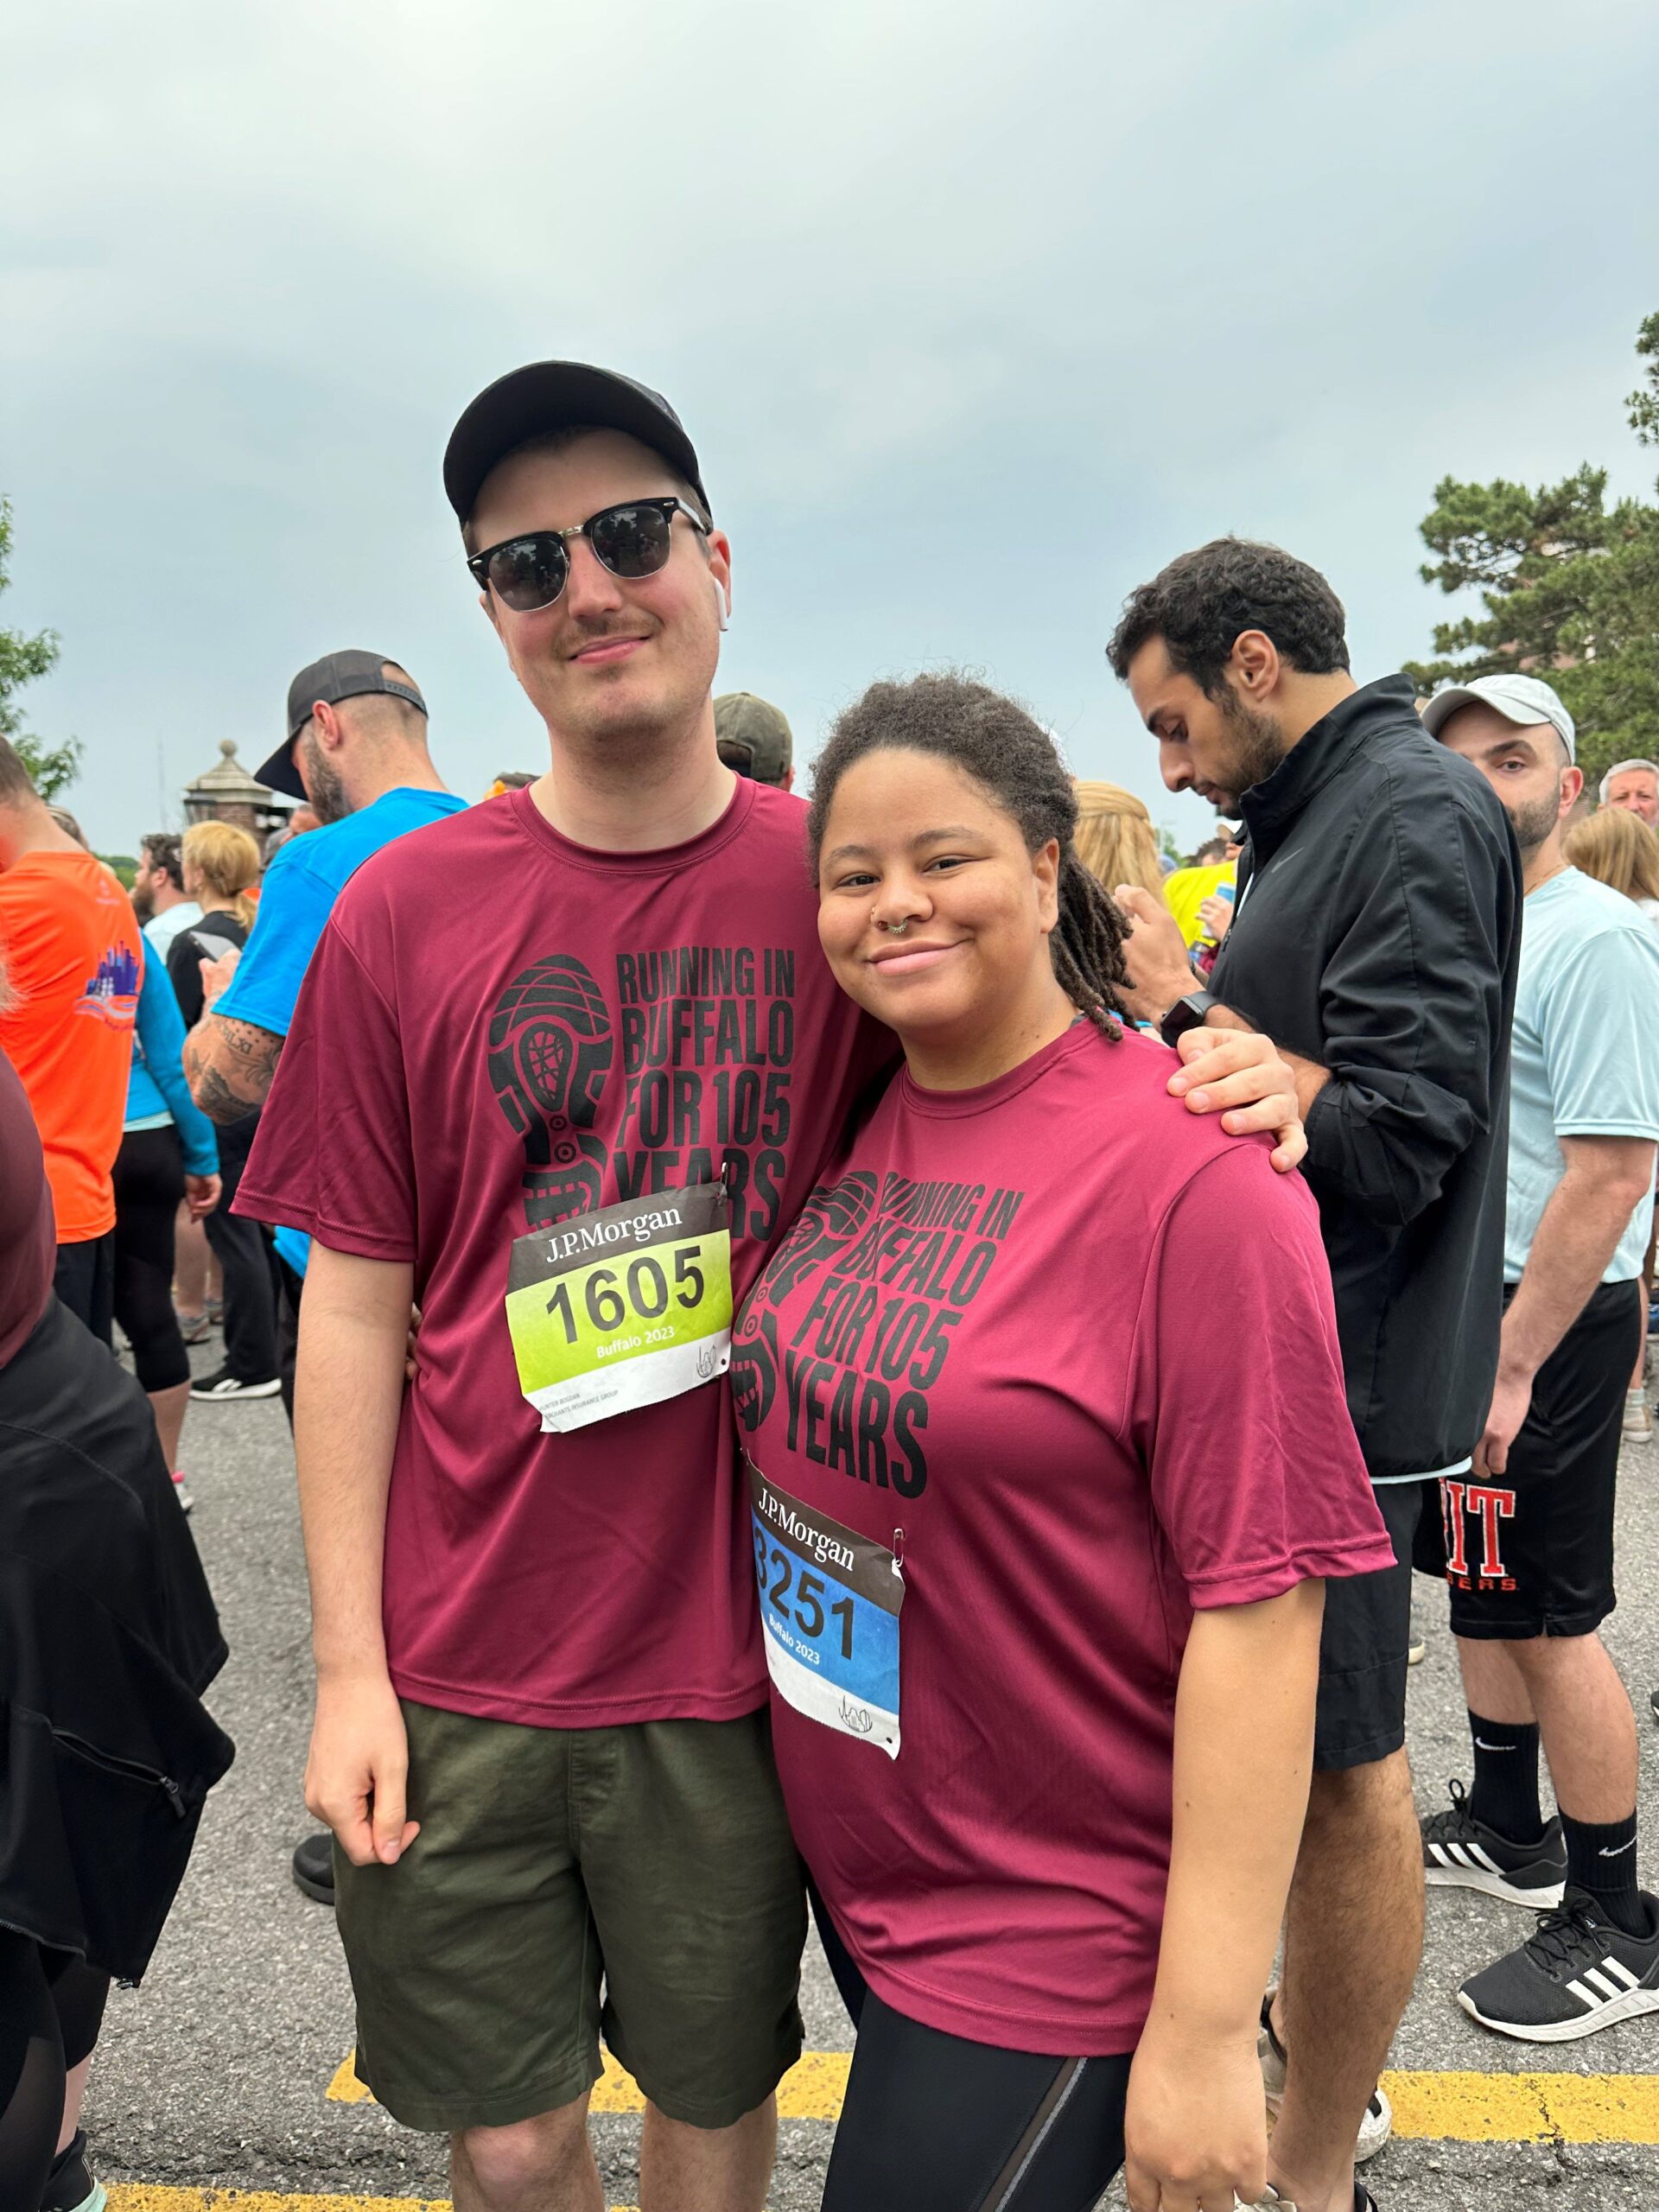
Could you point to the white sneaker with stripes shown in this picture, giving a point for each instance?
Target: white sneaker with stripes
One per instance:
(1575, 1976)
(1461, 1853)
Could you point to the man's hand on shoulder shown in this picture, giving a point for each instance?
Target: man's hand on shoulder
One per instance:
(1242, 1075)
(229, 1065)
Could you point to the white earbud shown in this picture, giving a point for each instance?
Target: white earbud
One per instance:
(722, 608)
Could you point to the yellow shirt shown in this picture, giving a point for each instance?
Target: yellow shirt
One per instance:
(1185, 891)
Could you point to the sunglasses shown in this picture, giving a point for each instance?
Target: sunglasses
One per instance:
(631, 541)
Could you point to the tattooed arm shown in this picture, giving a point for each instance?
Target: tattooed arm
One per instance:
(229, 1065)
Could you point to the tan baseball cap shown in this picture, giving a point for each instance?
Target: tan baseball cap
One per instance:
(753, 737)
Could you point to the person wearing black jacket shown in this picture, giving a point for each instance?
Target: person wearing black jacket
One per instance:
(108, 1637)
(1376, 937)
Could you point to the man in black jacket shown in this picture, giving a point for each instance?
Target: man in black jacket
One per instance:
(1375, 935)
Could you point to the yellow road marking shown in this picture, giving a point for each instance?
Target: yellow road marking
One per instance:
(1430, 2108)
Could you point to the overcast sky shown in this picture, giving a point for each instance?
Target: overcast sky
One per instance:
(976, 314)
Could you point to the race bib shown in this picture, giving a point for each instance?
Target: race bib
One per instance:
(623, 1308)
(829, 1602)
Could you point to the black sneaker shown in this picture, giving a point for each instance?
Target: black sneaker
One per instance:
(1460, 1852)
(1576, 1975)
(224, 1384)
(70, 2186)
(313, 1868)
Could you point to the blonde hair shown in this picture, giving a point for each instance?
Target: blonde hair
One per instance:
(1616, 848)
(1114, 839)
(227, 859)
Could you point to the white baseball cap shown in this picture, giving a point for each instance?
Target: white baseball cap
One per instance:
(1521, 699)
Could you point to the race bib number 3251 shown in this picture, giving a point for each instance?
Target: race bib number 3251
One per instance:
(623, 1308)
(829, 1605)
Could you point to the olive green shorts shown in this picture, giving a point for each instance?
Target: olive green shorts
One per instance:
(653, 1860)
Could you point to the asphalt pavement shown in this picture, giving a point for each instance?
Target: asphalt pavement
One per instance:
(217, 2072)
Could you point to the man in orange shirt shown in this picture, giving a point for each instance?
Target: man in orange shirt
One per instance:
(71, 950)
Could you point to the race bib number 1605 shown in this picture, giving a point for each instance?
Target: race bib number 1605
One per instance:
(623, 1308)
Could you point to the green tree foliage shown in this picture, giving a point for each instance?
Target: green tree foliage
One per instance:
(1570, 587)
(52, 768)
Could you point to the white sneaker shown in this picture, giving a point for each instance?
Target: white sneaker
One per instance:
(1374, 2130)
(1638, 1421)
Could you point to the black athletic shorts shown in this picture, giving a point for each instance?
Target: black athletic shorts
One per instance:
(1360, 1715)
(1531, 1552)
(933, 2123)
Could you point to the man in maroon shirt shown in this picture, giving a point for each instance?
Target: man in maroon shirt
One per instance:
(540, 1737)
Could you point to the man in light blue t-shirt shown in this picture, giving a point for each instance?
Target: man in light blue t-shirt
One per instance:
(356, 749)
(1529, 1532)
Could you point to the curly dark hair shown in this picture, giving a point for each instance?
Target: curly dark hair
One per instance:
(1199, 604)
(1013, 759)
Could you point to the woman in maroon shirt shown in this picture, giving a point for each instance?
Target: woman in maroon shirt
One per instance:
(1040, 1547)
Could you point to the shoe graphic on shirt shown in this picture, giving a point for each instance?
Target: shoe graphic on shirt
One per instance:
(1461, 1853)
(829, 1220)
(1577, 1975)
(550, 1048)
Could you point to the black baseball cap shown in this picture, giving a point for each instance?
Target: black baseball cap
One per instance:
(348, 674)
(557, 395)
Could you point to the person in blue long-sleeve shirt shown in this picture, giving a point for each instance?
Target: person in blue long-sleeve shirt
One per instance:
(168, 1151)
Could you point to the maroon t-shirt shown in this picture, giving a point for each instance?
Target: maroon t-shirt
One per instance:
(28, 1237)
(499, 1031)
(1058, 1359)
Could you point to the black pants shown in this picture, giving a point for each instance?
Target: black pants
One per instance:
(148, 1185)
(85, 1280)
(934, 2123)
(51, 2007)
(244, 1258)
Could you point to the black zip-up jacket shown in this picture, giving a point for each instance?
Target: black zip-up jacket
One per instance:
(1376, 930)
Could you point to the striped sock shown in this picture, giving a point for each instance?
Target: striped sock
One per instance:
(1505, 1792)
(1601, 1858)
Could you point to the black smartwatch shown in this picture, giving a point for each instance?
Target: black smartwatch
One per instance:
(1186, 1014)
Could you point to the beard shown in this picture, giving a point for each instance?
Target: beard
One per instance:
(1258, 746)
(143, 903)
(1533, 823)
(323, 787)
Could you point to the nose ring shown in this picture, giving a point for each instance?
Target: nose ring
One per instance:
(894, 929)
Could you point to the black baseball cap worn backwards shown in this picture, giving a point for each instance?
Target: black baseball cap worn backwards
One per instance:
(349, 674)
(558, 396)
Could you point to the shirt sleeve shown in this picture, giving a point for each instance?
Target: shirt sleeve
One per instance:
(1412, 1008)
(295, 904)
(161, 1039)
(334, 1155)
(1238, 1405)
(1598, 1020)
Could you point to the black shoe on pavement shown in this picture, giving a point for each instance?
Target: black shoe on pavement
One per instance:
(1461, 1853)
(1653, 1703)
(70, 2186)
(313, 1868)
(224, 1384)
(1576, 1975)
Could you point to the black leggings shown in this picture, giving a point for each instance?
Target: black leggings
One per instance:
(934, 2123)
(51, 2008)
(148, 1185)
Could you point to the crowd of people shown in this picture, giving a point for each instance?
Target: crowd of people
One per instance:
(754, 1452)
